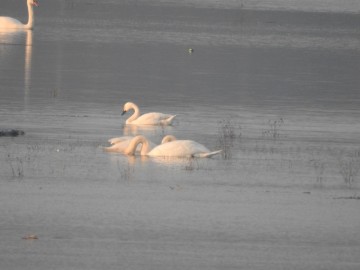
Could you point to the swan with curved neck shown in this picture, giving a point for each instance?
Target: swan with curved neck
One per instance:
(11, 23)
(153, 118)
(119, 144)
(177, 148)
(133, 144)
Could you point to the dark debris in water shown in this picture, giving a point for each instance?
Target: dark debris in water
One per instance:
(348, 198)
(30, 237)
(11, 132)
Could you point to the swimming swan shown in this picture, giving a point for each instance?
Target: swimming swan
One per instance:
(153, 118)
(119, 144)
(177, 148)
(11, 23)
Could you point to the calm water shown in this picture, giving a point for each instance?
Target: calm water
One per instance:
(281, 86)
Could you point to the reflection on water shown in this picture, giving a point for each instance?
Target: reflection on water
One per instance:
(147, 130)
(115, 159)
(28, 59)
(10, 39)
(180, 161)
(59, 74)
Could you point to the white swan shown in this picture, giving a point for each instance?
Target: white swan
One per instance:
(177, 148)
(119, 144)
(153, 118)
(122, 139)
(11, 23)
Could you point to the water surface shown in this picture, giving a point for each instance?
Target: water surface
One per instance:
(276, 88)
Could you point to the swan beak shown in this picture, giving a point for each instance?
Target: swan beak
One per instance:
(123, 112)
(35, 3)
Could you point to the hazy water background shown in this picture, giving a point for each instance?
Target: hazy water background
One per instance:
(255, 63)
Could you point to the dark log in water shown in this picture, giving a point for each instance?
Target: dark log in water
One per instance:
(11, 133)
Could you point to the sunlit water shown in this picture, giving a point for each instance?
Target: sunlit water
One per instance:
(278, 91)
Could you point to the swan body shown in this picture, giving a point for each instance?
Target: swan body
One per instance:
(177, 148)
(122, 139)
(119, 144)
(153, 118)
(11, 23)
(181, 148)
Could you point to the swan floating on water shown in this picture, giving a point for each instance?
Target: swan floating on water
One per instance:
(153, 118)
(119, 144)
(177, 148)
(11, 23)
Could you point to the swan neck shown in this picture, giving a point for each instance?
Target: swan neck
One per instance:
(135, 115)
(130, 150)
(31, 18)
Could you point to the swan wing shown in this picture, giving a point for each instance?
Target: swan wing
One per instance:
(169, 149)
(154, 118)
(181, 148)
(118, 146)
(120, 139)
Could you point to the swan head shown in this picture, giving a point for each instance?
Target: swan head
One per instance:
(128, 106)
(168, 138)
(33, 3)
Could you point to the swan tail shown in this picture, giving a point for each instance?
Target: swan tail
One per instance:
(168, 121)
(113, 141)
(209, 154)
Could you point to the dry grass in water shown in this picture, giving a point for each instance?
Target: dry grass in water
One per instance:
(319, 168)
(192, 164)
(126, 172)
(228, 133)
(349, 168)
(16, 166)
(273, 131)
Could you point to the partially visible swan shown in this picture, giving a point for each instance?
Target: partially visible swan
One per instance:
(177, 148)
(153, 118)
(11, 23)
(116, 140)
(119, 144)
